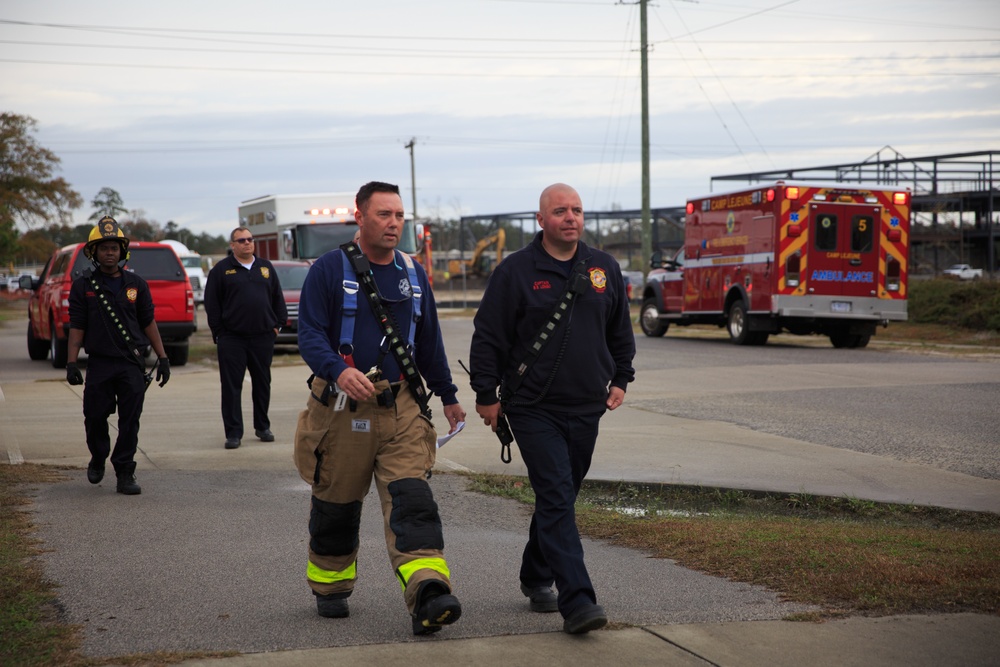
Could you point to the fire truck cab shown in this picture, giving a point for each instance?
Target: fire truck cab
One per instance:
(305, 226)
(786, 257)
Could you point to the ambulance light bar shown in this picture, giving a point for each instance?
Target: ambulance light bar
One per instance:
(340, 210)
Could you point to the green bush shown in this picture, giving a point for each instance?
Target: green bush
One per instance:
(970, 305)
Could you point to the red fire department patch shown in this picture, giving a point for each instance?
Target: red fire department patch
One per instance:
(598, 279)
(541, 284)
(132, 294)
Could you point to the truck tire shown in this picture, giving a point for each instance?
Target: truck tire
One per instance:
(842, 340)
(649, 319)
(177, 354)
(59, 348)
(38, 349)
(738, 325)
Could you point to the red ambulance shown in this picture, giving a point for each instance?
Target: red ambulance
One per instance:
(786, 257)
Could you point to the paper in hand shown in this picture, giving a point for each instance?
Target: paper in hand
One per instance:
(443, 440)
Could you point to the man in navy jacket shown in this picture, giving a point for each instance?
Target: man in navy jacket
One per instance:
(246, 308)
(581, 371)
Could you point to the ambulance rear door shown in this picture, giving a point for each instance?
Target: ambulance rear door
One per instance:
(844, 259)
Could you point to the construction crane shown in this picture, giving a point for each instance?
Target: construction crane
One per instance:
(479, 265)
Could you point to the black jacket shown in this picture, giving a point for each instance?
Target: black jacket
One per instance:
(132, 301)
(598, 351)
(239, 302)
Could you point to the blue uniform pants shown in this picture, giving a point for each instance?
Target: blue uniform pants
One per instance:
(237, 355)
(557, 450)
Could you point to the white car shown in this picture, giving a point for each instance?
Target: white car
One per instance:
(963, 272)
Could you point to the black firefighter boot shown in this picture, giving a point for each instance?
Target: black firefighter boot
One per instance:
(126, 480)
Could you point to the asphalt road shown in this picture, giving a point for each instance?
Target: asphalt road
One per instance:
(212, 554)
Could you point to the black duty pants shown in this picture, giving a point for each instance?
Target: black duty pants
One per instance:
(557, 450)
(237, 354)
(113, 383)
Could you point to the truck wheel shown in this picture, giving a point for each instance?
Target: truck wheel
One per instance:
(863, 341)
(649, 319)
(38, 349)
(842, 340)
(738, 325)
(59, 348)
(177, 355)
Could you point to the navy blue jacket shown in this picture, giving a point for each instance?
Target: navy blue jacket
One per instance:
(132, 301)
(321, 307)
(244, 303)
(519, 297)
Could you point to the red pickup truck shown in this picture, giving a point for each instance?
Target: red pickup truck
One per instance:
(48, 307)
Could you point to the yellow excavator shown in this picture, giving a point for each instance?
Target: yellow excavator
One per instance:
(479, 265)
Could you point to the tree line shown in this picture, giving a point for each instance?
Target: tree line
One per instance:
(31, 194)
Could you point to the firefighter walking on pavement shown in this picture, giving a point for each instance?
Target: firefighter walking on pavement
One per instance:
(246, 309)
(111, 317)
(369, 331)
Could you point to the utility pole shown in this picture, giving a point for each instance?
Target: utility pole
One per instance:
(413, 177)
(423, 238)
(647, 237)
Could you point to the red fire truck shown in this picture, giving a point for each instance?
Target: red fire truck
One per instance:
(786, 257)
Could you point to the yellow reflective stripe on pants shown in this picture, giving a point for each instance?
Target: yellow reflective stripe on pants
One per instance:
(406, 570)
(321, 576)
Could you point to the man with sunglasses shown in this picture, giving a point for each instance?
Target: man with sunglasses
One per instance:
(245, 308)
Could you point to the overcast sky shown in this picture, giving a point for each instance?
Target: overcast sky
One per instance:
(188, 108)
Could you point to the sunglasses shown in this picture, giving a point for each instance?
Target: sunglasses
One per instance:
(243, 241)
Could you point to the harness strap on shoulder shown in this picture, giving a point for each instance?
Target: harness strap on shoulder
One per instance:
(351, 289)
(411, 274)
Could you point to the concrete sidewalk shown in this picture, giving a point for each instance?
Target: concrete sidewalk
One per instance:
(911, 641)
(211, 556)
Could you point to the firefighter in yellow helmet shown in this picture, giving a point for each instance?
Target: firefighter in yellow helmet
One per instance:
(111, 317)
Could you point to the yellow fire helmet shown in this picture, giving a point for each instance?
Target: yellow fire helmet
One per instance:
(106, 229)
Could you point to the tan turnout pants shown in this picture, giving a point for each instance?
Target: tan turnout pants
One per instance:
(338, 452)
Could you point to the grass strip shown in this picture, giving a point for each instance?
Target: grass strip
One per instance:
(845, 555)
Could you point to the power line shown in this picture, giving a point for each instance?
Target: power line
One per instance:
(590, 55)
(479, 74)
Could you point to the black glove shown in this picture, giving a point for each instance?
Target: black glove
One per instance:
(73, 374)
(163, 371)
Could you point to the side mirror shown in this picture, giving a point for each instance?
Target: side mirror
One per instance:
(28, 282)
(656, 261)
(671, 265)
